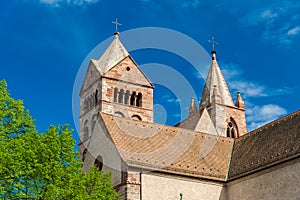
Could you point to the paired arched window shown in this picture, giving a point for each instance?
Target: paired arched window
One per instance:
(232, 129)
(91, 100)
(127, 98)
(99, 163)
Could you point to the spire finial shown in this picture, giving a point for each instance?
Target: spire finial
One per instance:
(213, 42)
(193, 107)
(213, 52)
(117, 24)
(239, 101)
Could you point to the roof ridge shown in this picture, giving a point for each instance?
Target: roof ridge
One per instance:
(268, 125)
(167, 126)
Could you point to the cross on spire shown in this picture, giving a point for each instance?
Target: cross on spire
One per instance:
(117, 24)
(213, 42)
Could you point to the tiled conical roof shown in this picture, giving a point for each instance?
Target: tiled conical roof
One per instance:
(112, 56)
(215, 80)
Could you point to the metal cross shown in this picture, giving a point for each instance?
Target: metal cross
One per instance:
(117, 24)
(213, 42)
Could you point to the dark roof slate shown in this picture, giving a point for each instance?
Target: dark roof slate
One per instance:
(273, 143)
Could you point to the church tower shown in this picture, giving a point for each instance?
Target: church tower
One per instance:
(227, 117)
(114, 84)
(217, 114)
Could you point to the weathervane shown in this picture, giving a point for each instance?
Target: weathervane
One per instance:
(117, 24)
(213, 42)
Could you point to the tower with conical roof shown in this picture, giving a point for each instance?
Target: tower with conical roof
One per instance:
(114, 84)
(217, 114)
(228, 118)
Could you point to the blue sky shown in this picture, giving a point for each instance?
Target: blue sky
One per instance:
(44, 42)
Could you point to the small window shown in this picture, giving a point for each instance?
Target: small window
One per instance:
(84, 154)
(228, 132)
(115, 94)
(127, 95)
(96, 97)
(132, 98)
(121, 96)
(99, 163)
(232, 129)
(139, 100)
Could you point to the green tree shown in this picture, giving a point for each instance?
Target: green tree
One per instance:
(45, 165)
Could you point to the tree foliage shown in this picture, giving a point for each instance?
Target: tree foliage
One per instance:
(42, 165)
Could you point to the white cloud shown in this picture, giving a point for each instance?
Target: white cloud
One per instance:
(294, 31)
(257, 115)
(173, 100)
(249, 89)
(279, 22)
(58, 3)
(260, 115)
(268, 15)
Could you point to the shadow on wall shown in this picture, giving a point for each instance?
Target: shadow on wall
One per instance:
(224, 193)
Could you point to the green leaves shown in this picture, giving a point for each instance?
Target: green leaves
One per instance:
(42, 166)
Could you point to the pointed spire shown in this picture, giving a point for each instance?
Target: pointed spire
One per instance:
(239, 101)
(112, 55)
(193, 107)
(216, 79)
(215, 96)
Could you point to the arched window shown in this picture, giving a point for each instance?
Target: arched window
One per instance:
(132, 98)
(99, 163)
(126, 100)
(121, 96)
(136, 117)
(139, 100)
(96, 97)
(232, 129)
(85, 131)
(115, 94)
(84, 154)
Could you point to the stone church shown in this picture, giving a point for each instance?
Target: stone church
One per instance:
(209, 155)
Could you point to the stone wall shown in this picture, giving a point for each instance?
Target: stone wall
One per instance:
(221, 114)
(278, 182)
(166, 187)
(122, 82)
(100, 144)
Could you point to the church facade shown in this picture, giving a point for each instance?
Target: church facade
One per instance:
(209, 155)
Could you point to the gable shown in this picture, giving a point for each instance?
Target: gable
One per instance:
(128, 71)
(91, 76)
(205, 124)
